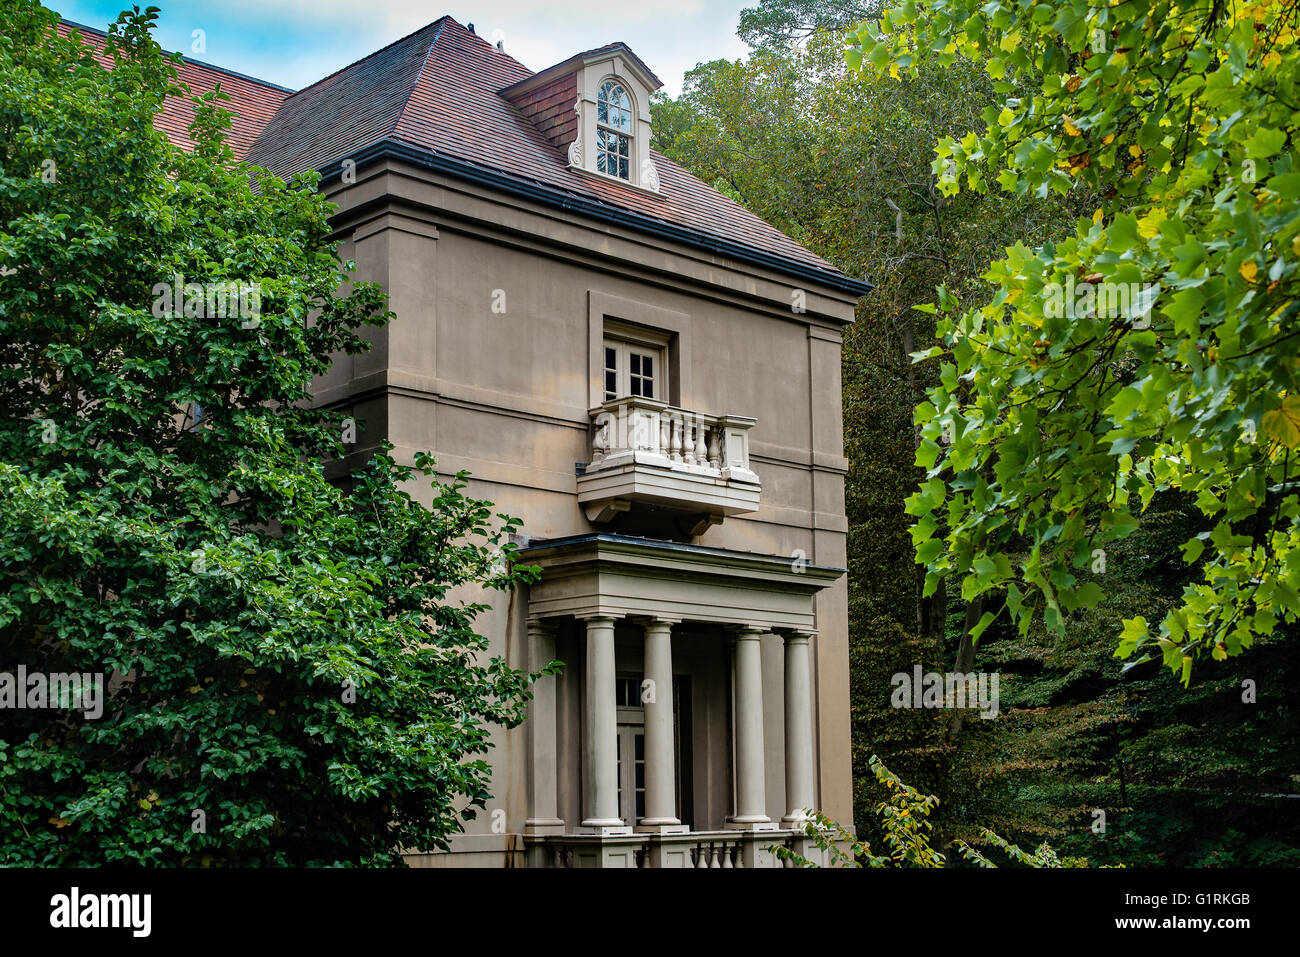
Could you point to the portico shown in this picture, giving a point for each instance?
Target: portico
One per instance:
(734, 633)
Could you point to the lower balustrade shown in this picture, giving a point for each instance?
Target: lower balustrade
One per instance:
(694, 849)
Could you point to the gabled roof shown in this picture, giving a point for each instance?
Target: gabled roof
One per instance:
(438, 92)
(571, 64)
(253, 102)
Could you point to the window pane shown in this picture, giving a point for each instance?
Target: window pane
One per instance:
(635, 364)
(647, 366)
(611, 359)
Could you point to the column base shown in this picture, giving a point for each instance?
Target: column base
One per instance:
(795, 822)
(604, 827)
(541, 826)
(661, 825)
(752, 824)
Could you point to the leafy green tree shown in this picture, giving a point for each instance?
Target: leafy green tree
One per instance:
(290, 679)
(1153, 350)
(783, 23)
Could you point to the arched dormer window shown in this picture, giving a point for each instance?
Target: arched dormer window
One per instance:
(614, 130)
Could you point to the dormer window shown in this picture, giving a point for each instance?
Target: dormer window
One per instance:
(607, 136)
(613, 130)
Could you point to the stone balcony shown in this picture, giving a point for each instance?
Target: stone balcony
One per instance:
(645, 451)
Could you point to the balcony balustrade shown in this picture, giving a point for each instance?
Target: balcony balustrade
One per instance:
(646, 451)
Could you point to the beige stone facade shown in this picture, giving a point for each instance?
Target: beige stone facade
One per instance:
(510, 396)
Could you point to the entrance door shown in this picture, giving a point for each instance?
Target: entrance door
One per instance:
(631, 749)
(631, 772)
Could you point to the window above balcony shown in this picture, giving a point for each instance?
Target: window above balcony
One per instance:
(635, 362)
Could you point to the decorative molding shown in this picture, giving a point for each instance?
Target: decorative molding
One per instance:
(650, 175)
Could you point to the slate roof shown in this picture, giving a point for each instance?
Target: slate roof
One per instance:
(439, 90)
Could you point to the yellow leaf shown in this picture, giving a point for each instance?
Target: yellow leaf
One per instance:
(1108, 138)
(1295, 244)
(893, 71)
(1070, 128)
(1272, 59)
(59, 822)
(153, 796)
(1248, 269)
(1149, 225)
(1283, 424)
(1135, 151)
(1096, 217)
(144, 805)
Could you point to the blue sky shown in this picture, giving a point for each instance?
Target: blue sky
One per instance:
(296, 42)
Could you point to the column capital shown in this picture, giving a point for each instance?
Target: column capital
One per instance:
(599, 618)
(648, 620)
(799, 635)
(541, 626)
(748, 632)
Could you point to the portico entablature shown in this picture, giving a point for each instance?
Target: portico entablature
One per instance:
(625, 577)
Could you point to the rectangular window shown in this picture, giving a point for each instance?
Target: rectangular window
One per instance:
(634, 368)
(612, 151)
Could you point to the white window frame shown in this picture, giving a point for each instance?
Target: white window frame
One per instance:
(626, 341)
(616, 131)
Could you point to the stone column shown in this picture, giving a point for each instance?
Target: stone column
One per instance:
(600, 731)
(750, 798)
(657, 697)
(543, 798)
(799, 796)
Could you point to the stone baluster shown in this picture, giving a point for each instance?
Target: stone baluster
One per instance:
(715, 458)
(675, 437)
(701, 446)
